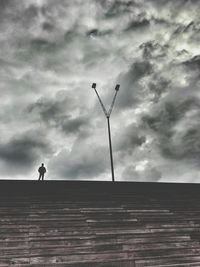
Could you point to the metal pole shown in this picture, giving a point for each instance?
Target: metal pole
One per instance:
(110, 146)
(107, 114)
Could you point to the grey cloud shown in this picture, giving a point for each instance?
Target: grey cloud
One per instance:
(42, 45)
(137, 24)
(34, 27)
(189, 32)
(19, 154)
(150, 173)
(193, 63)
(169, 113)
(185, 145)
(75, 125)
(162, 21)
(5, 3)
(131, 90)
(158, 86)
(97, 33)
(186, 28)
(58, 112)
(129, 139)
(83, 162)
(49, 109)
(138, 70)
(153, 49)
(46, 26)
(177, 137)
(173, 7)
(115, 8)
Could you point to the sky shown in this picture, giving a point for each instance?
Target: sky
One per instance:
(51, 53)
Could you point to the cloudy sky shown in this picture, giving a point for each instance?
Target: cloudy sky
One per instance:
(50, 54)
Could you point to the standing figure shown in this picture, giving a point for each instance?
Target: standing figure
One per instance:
(41, 171)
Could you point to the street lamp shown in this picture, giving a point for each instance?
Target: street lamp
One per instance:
(108, 114)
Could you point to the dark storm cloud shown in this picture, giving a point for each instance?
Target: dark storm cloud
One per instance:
(153, 49)
(181, 29)
(57, 112)
(137, 24)
(50, 110)
(19, 154)
(158, 86)
(177, 126)
(115, 8)
(75, 125)
(129, 139)
(4, 3)
(139, 70)
(193, 63)
(131, 90)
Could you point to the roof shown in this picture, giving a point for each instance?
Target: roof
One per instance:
(101, 224)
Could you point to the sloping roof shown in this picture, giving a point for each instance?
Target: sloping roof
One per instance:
(99, 224)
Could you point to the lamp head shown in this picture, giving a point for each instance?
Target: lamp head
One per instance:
(117, 87)
(94, 85)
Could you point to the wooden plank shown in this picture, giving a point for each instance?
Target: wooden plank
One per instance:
(168, 261)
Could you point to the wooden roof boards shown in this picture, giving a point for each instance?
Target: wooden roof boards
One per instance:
(99, 224)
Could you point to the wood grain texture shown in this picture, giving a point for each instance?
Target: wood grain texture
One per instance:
(99, 224)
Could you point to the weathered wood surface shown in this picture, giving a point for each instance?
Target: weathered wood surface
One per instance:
(99, 224)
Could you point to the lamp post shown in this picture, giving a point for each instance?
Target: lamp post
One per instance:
(108, 114)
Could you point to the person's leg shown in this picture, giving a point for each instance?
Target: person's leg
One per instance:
(39, 177)
(43, 177)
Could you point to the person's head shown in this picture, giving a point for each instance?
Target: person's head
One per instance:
(42, 164)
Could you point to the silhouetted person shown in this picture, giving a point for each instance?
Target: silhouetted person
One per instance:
(41, 171)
